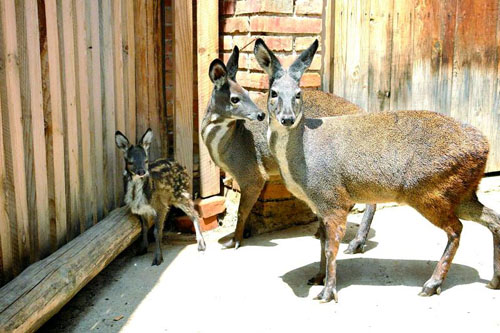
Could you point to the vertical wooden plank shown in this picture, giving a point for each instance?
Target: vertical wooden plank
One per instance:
(357, 52)
(141, 67)
(339, 54)
(130, 66)
(208, 49)
(37, 129)
(76, 220)
(475, 68)
(183, 83)
(15, 152)
(97, 110)
(88, 199)
(56, 126)
(119, 91)
(379, 69)
(327, 38)
(6, 242)
(402, 60)
(109, 104)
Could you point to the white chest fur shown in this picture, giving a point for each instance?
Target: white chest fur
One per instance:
(136, 199)
(212, 135)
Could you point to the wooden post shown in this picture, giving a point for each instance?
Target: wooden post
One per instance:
(208, 49)
(43, 288)
(183, 107)
(327, 41)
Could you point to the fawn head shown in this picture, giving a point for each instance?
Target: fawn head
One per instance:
(229, 99)
(285, 96)
(136, 157)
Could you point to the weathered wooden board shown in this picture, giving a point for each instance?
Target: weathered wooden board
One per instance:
(43, 288)
(208, 50)
(183, 50)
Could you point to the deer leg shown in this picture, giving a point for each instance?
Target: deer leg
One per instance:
(159, 222)
(319, 278)
(475, 211)
(334, 225)
(143, 246)
(249, 196)
(358, 243)
(187, 206)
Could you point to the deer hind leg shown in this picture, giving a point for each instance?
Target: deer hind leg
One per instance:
(443, 216)
(159, 222)
(334, 225)
(187, 206)
(358, 243)
(473, 210)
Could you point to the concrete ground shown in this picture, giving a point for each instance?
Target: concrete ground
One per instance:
(262, 287)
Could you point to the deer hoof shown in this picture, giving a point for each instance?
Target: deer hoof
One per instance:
(201, 245)
(317, 280)
(494, 283)
(327, 295)
(157, 260)
(431, 288)
(355, 247)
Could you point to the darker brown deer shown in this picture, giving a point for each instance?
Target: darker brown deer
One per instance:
(150, 190)
(420, 158)
(238, 145)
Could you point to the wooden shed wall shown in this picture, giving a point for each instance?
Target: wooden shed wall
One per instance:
(440, 55)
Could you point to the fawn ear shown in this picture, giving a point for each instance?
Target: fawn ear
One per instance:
(302, 63)
(218, 73)
(146, 139)
(232, 64)
(267, 60)
(121, 141)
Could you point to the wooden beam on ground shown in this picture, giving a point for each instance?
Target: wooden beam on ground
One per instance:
(41, 290)
(183, 84)
(208, 49)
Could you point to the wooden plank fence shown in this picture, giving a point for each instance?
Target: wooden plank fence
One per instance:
(71, 73)
(437, 55)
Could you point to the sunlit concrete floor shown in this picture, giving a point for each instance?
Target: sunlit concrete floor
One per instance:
(262, 287)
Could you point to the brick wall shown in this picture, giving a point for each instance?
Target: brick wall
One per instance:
(287, 26)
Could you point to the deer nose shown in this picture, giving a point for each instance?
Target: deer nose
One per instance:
(261, 116)
(287, 121)
(141, 172)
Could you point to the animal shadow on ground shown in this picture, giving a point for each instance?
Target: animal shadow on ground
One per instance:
(380, 272)
(301, 231)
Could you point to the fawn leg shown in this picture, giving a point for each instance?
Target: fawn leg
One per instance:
(187, 206)
(475, 211)
(319, 278)
(358, 243)
(143, 246)
(249, 196)
(334, 225)
(159, 222)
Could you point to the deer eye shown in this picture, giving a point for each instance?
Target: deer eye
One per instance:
(274, 94)
(235, 100)
(298, 95)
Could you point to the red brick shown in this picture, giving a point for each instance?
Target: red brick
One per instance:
(235, 24)
(310, 80)
(227, 7)
(264, 6)
(253, 80)
(275, 43)
(210, 206)
(302, 43)
(309, 7)
(243, 61)
(209, 223)
(184, 224)
(281, 24)
(227, 43)
(287, 60)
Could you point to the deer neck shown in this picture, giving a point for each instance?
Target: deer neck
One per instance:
(138, 195)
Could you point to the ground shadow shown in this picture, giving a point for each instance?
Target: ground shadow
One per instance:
(380, 272)
(69, 317)
(301, 231)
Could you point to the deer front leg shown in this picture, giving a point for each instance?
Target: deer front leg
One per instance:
(159, 222)
(143, 246)
(187, 206)
(249, 196)
(334, 225)
(319, 278)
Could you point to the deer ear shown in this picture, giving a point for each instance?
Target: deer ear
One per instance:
(146, 139)
(121, 141)
(302, 63)
(232, 64)
(267, 60)
(218, 73)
